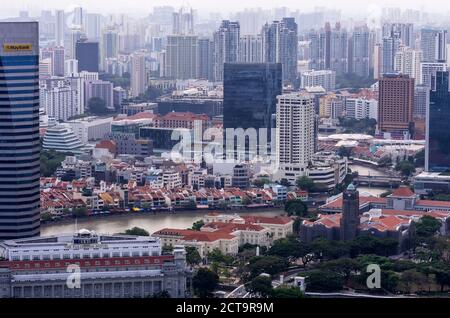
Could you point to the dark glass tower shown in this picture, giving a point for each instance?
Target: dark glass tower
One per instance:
(437, 157)
(19, 130)
(87, 54)
(250, 94)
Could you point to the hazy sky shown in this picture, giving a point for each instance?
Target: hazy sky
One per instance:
(143, 7)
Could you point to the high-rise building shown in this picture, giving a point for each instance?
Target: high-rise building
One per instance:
(437, 154)
(78, 17)
(359, 51)
(74, 35)
(407, 61)
(350, 219)
(93, 26)
(205, 62)
(87, 54)
(71, 68)
(428, 72)
(183, 22)
(19, 130)
(396, 103)
(226, 47)
(250, 95)
(389, 49)
(404, 32)
(421, 101)
(138, 74)
(109, 46)
(251, 49)
(329, 49)
(280, 45)
(60, 27)
(324, 78)
(433, 44)
(377, 61)
(100, 89)
(295, 141)
(56, 55)
(181, 56)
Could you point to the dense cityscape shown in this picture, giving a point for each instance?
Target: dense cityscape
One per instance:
(258, 153)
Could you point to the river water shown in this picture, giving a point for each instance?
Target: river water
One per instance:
(366, 171)
(150, 222)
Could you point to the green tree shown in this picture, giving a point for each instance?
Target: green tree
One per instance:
(405, 167)
(217, 256)
(427, 227)
(285, 182)
(50, 161)
(385, 161)
(205, 282)
(267, 264)
(305, 183)
(296, 207)
(97, 106)
(136, 231)
(343, 266)
(260, 182)
(192, 256)
(324, 281)
(287, 292)
(47, 216)
(197, 225)
(260, 286)
(289, 247)
(344, 151)
(325, 249)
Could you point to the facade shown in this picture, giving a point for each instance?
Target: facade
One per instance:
(91, 128)
(87, 53)
(205, 56)
(421, 101)
(396, 103)
(324, 78)
(60, 27)
(62, 98)
(280, 45)
(433, 43)
(251, 49)
(295, 141)
(241, 177)
(181, 56)
(360, 51)
(111, 266)
(250, 92)
(61, 138)
(128, 144)
(408, 61)
(19, 130)
(360, 108)
(437, 150)
(428, 73)
(138, 75)
(226, 47)
(109, 46)
(100, 89)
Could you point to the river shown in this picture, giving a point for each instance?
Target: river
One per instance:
(150, 222)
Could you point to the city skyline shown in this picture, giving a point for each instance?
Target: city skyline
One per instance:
(350, 7)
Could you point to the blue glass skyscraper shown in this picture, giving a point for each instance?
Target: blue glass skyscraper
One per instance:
(19, 130)
(437, 157)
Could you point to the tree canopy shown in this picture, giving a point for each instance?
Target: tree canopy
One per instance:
(205, 282)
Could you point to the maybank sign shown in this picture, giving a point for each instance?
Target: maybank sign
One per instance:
(17, 47)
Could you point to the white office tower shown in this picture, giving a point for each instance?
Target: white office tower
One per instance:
(78, 17)
(60, 27)
(324, 78)
(93, 26)
(71, 68)
(61, 138)
(181, 56)
(60, 98)
(433, 44)
(138, 74)
(295, 135)
(74, 34)
(407, 61)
